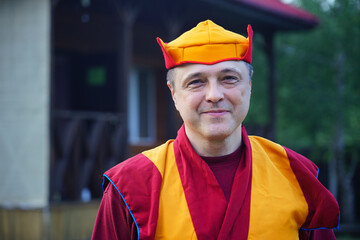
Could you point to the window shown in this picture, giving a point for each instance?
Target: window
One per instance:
(142, 107)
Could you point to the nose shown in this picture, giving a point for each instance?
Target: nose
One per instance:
(214, 93)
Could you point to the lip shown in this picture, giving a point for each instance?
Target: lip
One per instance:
(216, 113)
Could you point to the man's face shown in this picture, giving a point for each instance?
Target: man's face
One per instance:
(213, 100)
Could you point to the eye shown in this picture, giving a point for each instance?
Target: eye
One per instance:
(195, 83)
(230, 79)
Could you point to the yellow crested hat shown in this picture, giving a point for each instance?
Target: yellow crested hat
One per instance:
(207, 43)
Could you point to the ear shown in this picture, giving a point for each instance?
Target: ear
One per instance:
(172, 90)
(250, 86)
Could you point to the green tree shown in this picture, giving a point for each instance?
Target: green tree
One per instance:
(319, 92)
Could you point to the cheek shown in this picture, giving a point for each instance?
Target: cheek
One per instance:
(246, 92)
(183, 102)
(240, 98)
(241, 95)
(191, 105)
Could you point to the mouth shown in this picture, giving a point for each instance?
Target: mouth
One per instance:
(216, 112)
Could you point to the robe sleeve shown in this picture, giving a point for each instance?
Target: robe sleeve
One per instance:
(113, 220)
(318, 234)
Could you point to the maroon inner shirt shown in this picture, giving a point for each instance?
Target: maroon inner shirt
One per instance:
(224, 168)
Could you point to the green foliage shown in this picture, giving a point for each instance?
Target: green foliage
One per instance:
(309, 102)
(258, 113)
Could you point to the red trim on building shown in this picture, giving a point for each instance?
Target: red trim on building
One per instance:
(279, 8)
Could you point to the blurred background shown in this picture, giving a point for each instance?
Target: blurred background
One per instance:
(83, 87)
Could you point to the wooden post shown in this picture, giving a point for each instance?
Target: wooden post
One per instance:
(127, 13)
(174, 27)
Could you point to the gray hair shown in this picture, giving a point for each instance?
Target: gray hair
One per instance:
(170, 76)
(250, 69)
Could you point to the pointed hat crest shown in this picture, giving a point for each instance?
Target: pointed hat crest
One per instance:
(207, 43)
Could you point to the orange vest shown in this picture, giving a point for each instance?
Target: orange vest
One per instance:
(285, 194)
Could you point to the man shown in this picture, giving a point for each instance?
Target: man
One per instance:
(213, 181)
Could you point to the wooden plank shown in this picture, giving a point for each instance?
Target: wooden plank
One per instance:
(67, 221)
(21, 224)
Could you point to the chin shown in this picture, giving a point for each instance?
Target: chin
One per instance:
(221, 132)
(217, 133)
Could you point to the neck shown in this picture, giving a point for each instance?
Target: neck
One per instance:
(215, 147)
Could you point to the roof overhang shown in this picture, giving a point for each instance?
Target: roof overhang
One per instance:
(265, 16)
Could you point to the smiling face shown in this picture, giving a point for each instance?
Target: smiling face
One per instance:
(213, 100)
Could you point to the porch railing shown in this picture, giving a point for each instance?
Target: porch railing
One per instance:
(83, 146)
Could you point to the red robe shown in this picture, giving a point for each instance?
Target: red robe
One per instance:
(140, 182)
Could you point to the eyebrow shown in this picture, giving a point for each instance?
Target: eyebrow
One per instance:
(192, 75)
(226, 70)
(199, 74)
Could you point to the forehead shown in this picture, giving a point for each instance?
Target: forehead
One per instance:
(184, 71)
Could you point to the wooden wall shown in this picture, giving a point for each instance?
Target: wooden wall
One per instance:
(70, 221)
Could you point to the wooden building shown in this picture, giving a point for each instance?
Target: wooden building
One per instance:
(109, 93)
(103, 95)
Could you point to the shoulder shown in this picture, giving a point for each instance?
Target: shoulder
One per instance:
(323, 210)
(265, 144)
(127, 170)
(140, 170)
(143, 162)
(296, 160)
(299, 161)
(135, 172)
(136, 163)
